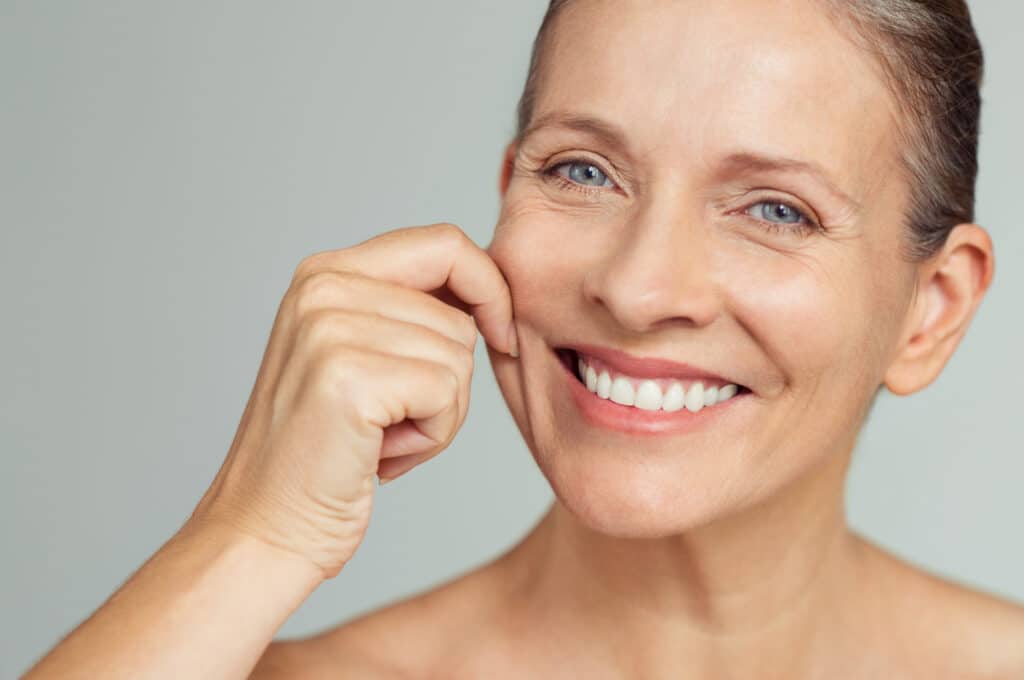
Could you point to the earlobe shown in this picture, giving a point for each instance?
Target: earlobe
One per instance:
(951, 287)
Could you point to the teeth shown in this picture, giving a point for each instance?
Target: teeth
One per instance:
(674, 397)
(695, 397)
(622, 392)
(647, 395)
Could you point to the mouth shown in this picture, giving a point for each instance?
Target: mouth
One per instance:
(645, 405)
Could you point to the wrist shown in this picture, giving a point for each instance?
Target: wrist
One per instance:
(272, 561)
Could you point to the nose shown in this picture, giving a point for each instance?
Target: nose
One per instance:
(657, 273)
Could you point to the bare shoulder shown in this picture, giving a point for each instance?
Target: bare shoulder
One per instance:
(973, 633)
(347, 651)
(306, 659)
(417, 637)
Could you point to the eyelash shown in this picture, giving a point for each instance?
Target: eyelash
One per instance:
(807, 226)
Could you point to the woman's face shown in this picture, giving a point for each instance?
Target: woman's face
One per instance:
(692, 238)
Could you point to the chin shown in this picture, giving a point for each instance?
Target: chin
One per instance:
(634, 499)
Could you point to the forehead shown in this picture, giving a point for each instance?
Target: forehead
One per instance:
(700, 80)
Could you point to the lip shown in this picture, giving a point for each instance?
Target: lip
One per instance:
(639, 367)
(609, 415)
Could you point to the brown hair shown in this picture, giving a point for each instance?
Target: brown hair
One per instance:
(933, 64)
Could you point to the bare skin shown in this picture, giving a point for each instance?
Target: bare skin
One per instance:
(727, 553)
(903, 623)
(718, 553)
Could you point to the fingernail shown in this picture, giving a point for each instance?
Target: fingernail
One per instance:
(513, 340)
(385, 480)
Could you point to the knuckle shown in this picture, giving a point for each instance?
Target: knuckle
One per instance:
(449, 380)
(316, 262)
(320, 289)
(334, 371)
(306, 266)
(452, 232)
(322, 326)
(464, 360)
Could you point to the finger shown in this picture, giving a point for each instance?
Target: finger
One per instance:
(403, 439)
(350, 290)
(396, 467)
(378, 390)
(427, 258)
(331, 327)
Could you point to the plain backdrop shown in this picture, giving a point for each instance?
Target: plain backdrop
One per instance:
(165, 165)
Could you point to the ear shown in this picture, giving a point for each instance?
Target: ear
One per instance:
(507, 163)
(504, 178)
(950, 286)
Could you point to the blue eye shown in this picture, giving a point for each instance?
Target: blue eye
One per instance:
(581, 174)
(777, 212)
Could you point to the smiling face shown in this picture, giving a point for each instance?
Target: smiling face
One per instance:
(743, 218)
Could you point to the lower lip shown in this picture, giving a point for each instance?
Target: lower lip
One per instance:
(607, 414)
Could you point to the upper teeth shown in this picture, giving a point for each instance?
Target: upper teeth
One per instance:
(663, 394)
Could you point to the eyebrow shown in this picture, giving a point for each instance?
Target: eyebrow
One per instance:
(614, 136)
(607, 132)
(746, 160)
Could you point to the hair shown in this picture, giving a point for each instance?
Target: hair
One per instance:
(933, 64)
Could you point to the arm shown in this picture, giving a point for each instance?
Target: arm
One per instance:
(205, 605)
(366, 374)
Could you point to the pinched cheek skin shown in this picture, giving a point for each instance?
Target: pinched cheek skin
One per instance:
(533, 251)
(532, 257)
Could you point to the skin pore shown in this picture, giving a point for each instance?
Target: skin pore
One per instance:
(722, 552)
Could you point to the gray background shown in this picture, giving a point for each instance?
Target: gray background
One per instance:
(164, 167)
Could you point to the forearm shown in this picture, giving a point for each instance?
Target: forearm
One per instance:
(205, 605)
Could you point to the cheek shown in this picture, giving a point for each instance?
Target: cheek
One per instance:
(807, 315)
(813, 318)
(525, 247)
(531, 250)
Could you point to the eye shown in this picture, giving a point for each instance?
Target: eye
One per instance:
(775, 211)
(780, 215)
(581, 175)
(587, 172)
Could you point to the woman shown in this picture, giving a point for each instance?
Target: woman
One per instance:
(725, 227)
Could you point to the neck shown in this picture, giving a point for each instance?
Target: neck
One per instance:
(757, 585)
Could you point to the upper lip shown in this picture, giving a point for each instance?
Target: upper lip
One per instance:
(647, 367)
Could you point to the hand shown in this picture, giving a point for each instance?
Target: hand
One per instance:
(367, 372)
